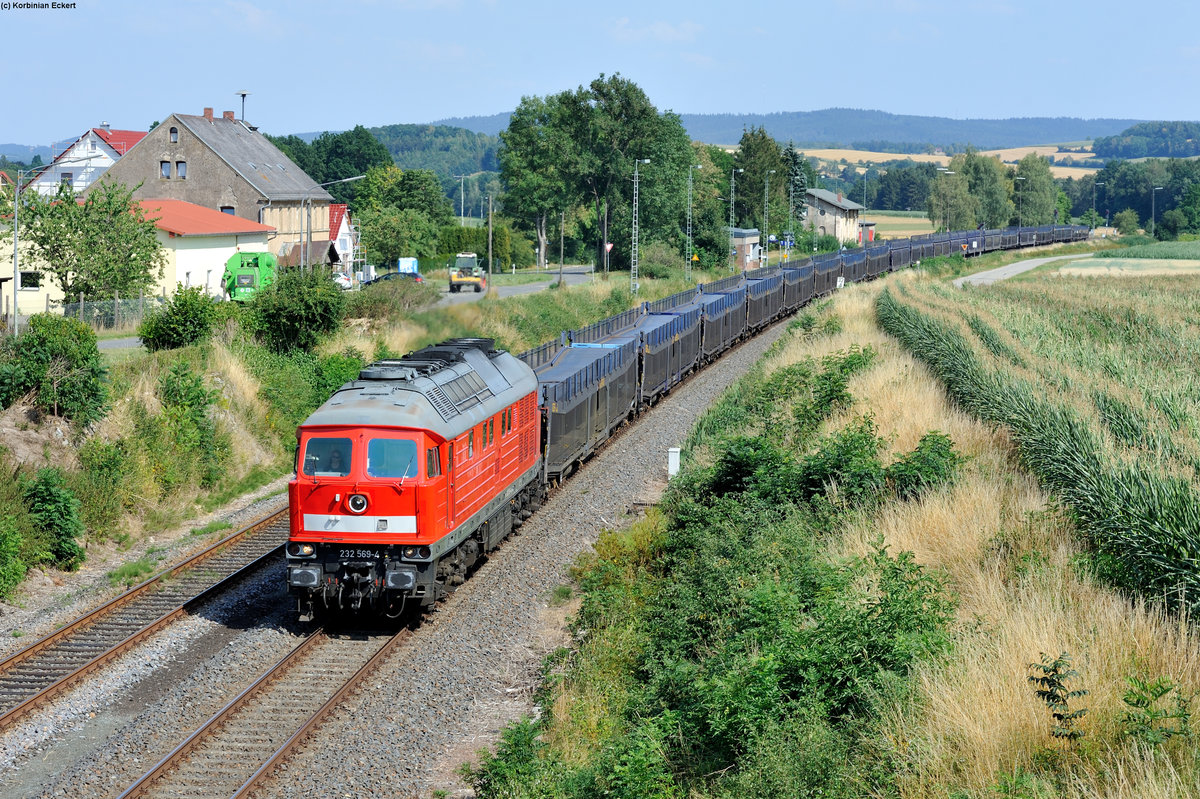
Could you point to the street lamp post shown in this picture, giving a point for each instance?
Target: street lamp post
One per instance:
(687, 256)
(732, 185)
(945, 197)
(762, 254)
(462, 198)
(307, 201)
(633, 264)
(22, 174)
(1020, 204)
(1152, 217)
(1094, 185)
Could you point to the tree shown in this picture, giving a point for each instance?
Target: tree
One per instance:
(390, 233)
(1038, 195)
(987, 183)
(345, 155)
(1173, 222)
(1126, 221)
(416, 189)
(531, 156)
(951, 206)
(610, 124)
(97, 248)
(759, 155)
(1062, 209)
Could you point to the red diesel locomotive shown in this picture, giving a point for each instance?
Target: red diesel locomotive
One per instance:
(408, 475)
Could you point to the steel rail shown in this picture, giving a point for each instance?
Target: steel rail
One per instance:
(108, 610)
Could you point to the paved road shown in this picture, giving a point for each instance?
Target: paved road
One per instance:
(1004, 272)
(572, 276)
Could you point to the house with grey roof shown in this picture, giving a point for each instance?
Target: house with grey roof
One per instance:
(225, 164)
(832, 214)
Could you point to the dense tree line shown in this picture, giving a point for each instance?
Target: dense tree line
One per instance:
(335, 156)
(1128, 186)
(1151, 139)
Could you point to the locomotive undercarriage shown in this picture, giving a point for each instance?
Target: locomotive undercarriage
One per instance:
(380, 581)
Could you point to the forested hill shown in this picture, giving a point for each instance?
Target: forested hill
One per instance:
(447, 150)
(847, 127)
(1153, 140)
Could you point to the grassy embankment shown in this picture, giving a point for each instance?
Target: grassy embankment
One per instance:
(782, 657)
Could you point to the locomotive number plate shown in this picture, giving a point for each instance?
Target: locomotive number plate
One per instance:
(359, 554)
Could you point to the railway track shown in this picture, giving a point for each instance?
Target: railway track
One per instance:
(241, 743)
(57, 662)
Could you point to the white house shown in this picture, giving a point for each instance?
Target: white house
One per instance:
(198, 241)
(86, 160)
(341, 234)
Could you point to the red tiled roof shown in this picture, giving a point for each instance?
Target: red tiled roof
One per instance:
(180, 218)
(337, 212)
(119, 140)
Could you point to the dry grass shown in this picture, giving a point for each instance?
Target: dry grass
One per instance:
(1011, 559)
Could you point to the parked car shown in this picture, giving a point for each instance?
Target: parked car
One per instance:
(415, 276)
(343, 281)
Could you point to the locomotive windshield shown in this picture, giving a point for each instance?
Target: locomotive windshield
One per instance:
(391, 457)
(327, 457)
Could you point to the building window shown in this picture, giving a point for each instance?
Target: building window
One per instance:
(67, 177)
(30, 281)
(164, 168)
(227, 209)
(181, 170)
(174, 135)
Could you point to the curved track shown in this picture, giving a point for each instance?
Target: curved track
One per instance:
(49, 666)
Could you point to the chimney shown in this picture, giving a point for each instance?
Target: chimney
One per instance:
(839, 196)
(104, 125)
(227, 115)
(208, 114)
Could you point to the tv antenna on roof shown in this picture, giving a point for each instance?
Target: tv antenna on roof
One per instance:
(243, 94)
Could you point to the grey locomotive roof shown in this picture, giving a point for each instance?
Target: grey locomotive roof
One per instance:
(445, 398)
(252, 156)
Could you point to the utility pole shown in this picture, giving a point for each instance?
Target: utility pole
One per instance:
(732, 250)
(489, 266)
(687, 256)
(562, 221)
(762, 254)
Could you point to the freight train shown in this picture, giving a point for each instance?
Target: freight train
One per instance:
(408, 476)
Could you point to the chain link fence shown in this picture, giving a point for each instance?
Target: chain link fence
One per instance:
(114, 314)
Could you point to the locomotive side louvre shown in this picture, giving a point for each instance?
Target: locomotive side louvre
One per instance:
(407, 475)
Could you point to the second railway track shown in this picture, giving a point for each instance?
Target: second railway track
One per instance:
(55, 663)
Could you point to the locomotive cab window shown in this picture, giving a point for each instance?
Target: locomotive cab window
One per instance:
(391, 458)
(433, 464)
(327, 457)
(470, 443)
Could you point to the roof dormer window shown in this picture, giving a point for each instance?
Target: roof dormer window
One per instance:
(174, 135)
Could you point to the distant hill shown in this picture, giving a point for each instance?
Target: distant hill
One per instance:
(446, 149)
(24, 152)
(848, 127)
(1153, 140)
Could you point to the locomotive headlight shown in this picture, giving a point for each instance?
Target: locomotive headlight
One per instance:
(410, 552)
(357, 503)
(298, 550)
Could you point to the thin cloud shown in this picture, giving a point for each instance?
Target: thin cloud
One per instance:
(624, 31)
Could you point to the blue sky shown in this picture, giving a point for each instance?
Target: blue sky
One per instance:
(313, 66)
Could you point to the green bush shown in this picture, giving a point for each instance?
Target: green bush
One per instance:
(931, 464)
(187, 318)
(57, 358)
(390, 299)
(12, 567)
(55, 510)
(295, 311)
(186, 404)
(100, 485)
